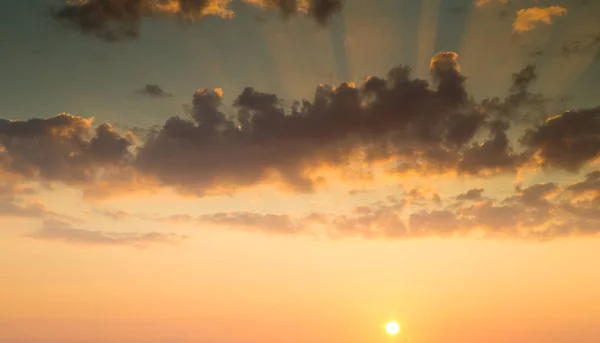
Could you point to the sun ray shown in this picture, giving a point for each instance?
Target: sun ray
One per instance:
(426, 35)
(371, 38)
(489, 52)
(303, 55)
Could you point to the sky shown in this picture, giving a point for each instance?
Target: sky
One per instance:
(261, 171)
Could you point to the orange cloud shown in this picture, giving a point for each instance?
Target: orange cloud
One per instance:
(528, 18)
(481, 3)
(218, 8)
(118, 20)
(539, 212)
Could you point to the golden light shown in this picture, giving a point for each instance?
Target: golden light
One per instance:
(392, 328)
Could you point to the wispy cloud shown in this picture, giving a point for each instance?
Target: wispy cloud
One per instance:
(15, 199)
(57, 230)
(481, 3)
(539, 212)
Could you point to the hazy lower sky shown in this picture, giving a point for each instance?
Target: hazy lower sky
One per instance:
(256, 171)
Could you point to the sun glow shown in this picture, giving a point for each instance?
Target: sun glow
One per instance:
(392, 328)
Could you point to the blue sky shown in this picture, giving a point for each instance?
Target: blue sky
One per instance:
(67, 72)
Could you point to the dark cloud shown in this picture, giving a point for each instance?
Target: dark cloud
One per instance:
(153, 91)
(471, 194)
(520, 105)
(118, 20)
(61, 148)
(109, 20)
(536, 194)
(56, 230)
(590, 184)
(423, 128)
(494, 155)
(319, 10)
(568, 140)
(394, 117)
(323, 10)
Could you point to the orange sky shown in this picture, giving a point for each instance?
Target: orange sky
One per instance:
(110, 233)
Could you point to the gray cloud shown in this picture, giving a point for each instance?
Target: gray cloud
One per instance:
(424, 128)
(320, 10)
(153, 91)
(61, 148)
(118, 20)
(471, 194)
(495, 154)
(56, 230)
(569, 140)
(105, 19)
(323, 10)
(590, 184)
(397, 117)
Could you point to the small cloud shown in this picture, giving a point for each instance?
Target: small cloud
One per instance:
(114, 214)
(471, 194)
(528, 18)
(246, 221)
(153, 91)
(585, 45)
(482, 3)
(57, 230)
(356, 191)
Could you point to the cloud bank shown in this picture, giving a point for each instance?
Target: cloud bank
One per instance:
(397, 122)
(424, 129)
(540, 212)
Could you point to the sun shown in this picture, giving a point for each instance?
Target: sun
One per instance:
(392, 328)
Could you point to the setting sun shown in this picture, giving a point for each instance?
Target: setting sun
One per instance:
(392, 328)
